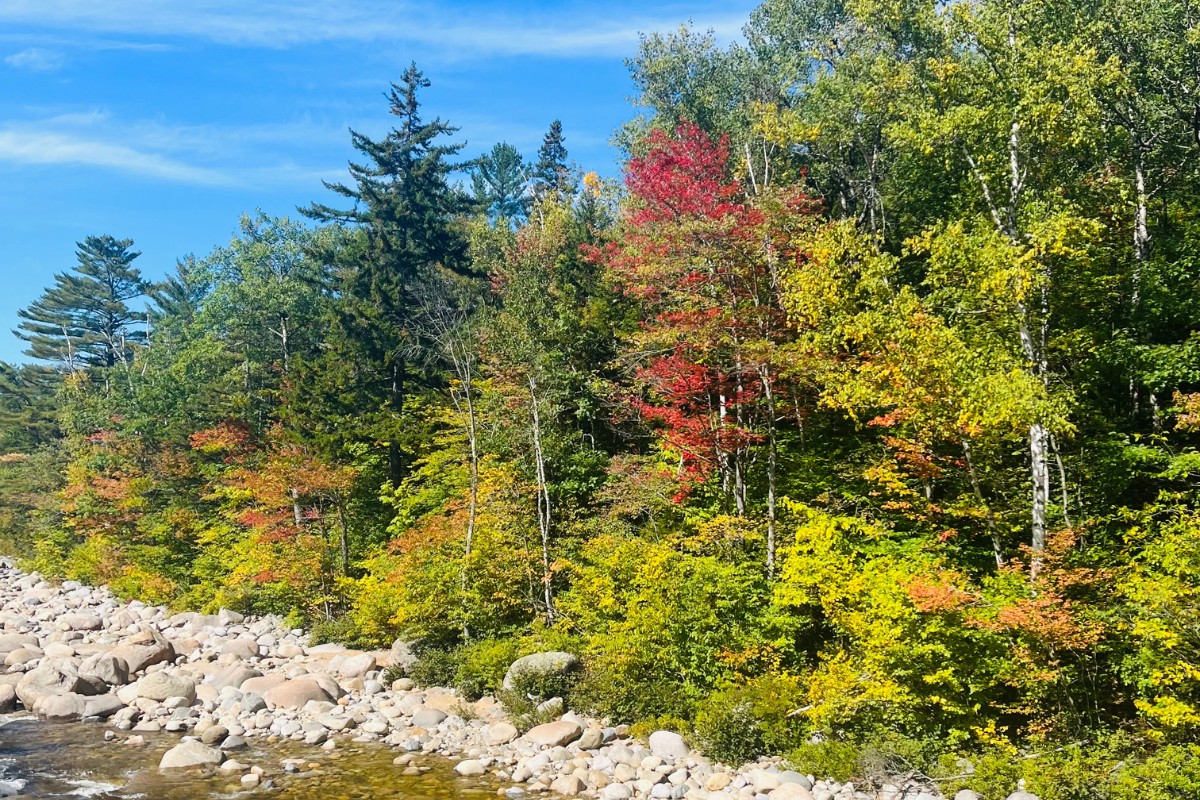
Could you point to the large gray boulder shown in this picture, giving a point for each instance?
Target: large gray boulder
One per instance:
(294, 694)
(143, 650)
(550, 663)
(74, 707)
(402, 656)
(189, 754)
(52, 676)
(80, 622)
(232, 677)
(554, 734)
(106, 667)
(16, 641)
(352, 664)
(160, 685)
(668, 745)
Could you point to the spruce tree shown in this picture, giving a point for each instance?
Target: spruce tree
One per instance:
(551, 173)
(84, 321)
(406, 205)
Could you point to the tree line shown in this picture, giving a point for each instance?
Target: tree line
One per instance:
(858, 421)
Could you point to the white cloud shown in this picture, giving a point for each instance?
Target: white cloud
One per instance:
(33, 146)
(270, 23)
(37, 59)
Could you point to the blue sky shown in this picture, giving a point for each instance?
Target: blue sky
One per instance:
(164, 120)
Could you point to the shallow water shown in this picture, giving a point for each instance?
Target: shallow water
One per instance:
(73, 760)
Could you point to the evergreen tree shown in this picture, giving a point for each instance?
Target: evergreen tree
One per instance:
(498, 183)
(27, 406)
(83, 321)
(404, 202)
(551, 173)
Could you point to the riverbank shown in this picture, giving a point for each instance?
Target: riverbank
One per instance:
(222, 682)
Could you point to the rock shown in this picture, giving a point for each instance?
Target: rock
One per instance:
(668, 745)
(554, 734)
(214, 735)
(718, 781)
(352, 665)
(261, 685)
(791, 791)
(471, 768)
(16, 641)
(8, 698)
(232, 677)
(501, 733)
(294, 694)
(591, 739)
(80, 622)
(616, 791)
(567, 785)
(966, 794)
(550, 663)
(52, 676)
(241, 648)
(72, 707)
(161, 685)
(109, 668)
(401, 656)
(140, 656)
(428, 718)
(191, 753)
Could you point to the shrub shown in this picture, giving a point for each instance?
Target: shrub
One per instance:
(435, 667)
(742, 722)
(827, 759)
(482, 666)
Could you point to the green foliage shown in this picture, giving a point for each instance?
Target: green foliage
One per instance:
(435, 667)
(741, 723)
(482, 666)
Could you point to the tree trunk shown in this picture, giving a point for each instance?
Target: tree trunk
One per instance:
(997, 546)
(543, 496)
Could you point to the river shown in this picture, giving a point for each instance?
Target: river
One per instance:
(73, 760)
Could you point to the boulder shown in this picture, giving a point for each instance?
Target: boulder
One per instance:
(591, 739)
(16, 641)
(791, 791)
(105, 666)
(501, 733)
(554, 734)
(241, 648)
(668, 745)
(191, 753)
(966, 794)
(160, 685)
(541, 664)
(567, 786)
(428, 718)
(52, 676)
(22, 656)
(294, 694)
(401, 656)
(232, 677)
(261, 685)
(471, 768)
(139, 656)
(74, 707)
(80, 622)
(352, 665)
(8, 698)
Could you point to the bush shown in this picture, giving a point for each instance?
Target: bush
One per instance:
(743, 722)
(435, 668)
(482, 666)
(531, 689)
(827, 759)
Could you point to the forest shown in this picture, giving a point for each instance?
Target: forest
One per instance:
(857, 421)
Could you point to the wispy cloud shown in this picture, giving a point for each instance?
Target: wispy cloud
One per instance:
(205, 155)
(32, 146)
(37, 59)
(564, 32)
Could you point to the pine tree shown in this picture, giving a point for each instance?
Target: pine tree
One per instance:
(28, 406)
(83, 321)
(404, 202)
(551, 173)
(498, 183)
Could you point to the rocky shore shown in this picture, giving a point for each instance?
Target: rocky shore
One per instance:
(75, 652)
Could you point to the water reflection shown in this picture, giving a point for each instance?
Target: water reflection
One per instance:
(69, 761)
